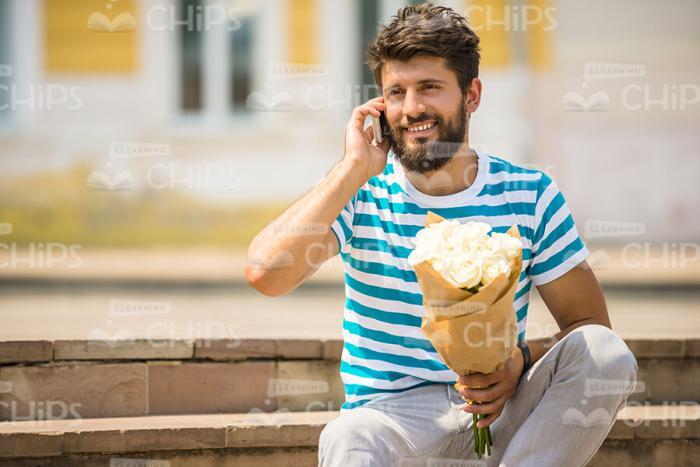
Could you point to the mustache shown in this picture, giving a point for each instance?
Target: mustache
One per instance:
(422, 117)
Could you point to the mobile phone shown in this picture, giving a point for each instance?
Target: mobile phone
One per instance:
(380, 126)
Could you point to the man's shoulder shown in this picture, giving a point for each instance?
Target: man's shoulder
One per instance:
(504, 166)
(518, 176)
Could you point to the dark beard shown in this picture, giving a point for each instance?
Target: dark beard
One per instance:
(429, 156)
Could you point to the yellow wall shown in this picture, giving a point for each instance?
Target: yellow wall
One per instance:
(540, 38)
(486, 18)
(302, 18)
(497, 32)
(70, 46)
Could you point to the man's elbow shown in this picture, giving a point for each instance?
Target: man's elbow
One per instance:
(259, 278)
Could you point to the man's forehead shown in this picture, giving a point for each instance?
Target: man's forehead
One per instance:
(417, 69)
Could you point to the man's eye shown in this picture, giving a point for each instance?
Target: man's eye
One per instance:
(431, 86)
(394, 92)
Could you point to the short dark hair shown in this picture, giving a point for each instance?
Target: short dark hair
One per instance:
(427, 30)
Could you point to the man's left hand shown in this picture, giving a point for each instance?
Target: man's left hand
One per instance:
(490, 392)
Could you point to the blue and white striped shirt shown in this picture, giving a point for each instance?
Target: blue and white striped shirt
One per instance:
(385, 350)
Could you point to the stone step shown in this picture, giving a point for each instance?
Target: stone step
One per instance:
(650, 435)
(96, 379)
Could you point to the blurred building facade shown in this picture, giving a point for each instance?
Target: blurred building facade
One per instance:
(604, 97)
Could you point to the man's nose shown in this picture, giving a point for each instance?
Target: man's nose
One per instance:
(412, 105)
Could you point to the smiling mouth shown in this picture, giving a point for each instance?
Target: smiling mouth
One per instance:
(421, 129)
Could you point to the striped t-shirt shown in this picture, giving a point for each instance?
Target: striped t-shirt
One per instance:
(385, 350)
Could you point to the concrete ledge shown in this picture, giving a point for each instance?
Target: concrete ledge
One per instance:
(664, 348)
(253, 431)
(94, 379)
(245, 349)
(12, 352)
(25, 351)
(158, 433)
(226, 457)
(95, 389)
(138, 349)
(73, 390)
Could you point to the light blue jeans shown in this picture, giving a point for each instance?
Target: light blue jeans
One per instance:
(563, 409)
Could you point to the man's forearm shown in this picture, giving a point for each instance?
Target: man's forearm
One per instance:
(538, 347)
(293, 245)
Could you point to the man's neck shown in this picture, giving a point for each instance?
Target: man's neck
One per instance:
(457, 175)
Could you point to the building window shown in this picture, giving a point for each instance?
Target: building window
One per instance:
(216, 58)
(241, 53)
(369, 20)
(5, 63)
(190, 59)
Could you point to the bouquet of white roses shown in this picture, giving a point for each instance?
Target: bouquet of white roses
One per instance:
(468, 279)
(464, 254)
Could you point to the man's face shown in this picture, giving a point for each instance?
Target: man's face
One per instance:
(425, 110)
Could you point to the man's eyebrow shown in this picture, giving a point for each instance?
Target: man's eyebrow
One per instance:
(422, 81)
(432, 80)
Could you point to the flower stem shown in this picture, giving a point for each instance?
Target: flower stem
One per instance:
(475, 418)
(488, 439)
(481, 438)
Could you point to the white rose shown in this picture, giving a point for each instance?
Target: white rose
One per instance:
(504, 244)
(442, 264)
(427, 247)
(432, 242)
(465, 271)
(442, 229)
(419, 255)
(464, 254)
(427, 243)
(471, 232)
(493, 267)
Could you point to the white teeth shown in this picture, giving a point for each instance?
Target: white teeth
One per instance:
(421, 127)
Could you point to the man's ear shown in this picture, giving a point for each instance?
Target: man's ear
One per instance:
(473, 96)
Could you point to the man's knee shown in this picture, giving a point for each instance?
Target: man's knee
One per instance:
(346, 430)
(609, 353)
(358, 437)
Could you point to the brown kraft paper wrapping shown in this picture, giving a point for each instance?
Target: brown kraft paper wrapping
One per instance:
(473, 333)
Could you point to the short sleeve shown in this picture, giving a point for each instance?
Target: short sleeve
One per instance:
(342, 227)
(557, 247)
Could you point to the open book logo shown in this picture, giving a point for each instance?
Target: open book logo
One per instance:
(122, 337)
(575, 102)
(598, 417)
(100, 22)
(439, 179)
(441, 337)
(600, 259)
(282, 259)
(260, 417)
(259, 101)
(122, 181)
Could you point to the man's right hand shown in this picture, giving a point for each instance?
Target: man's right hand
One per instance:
(359, 149)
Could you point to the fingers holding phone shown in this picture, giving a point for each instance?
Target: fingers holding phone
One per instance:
(380, 128)
(360, 145)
